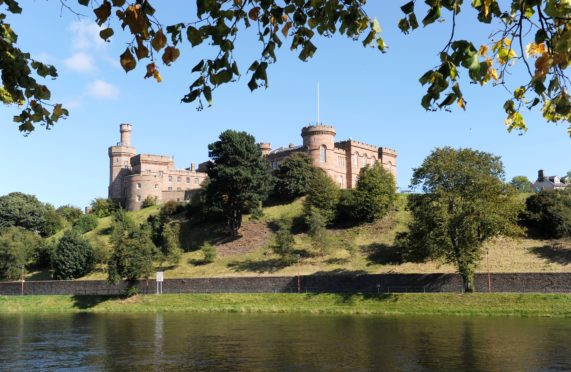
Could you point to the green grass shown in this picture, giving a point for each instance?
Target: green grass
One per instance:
(529, 305)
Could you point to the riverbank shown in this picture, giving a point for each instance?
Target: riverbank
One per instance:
(495, 304)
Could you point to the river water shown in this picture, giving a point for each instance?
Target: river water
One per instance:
(268, 342)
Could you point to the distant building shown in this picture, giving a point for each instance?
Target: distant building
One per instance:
(550, 182)
(342, 160)
(134, 177)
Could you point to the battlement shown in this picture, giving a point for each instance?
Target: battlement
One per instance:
(388, 150)
(317, 129)
(351, 143)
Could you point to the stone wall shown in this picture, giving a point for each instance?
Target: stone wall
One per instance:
(516, 282)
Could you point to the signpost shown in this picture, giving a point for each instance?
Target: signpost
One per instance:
(160, 279)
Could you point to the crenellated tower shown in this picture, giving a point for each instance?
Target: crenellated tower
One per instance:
(319, 142)
(120, 164)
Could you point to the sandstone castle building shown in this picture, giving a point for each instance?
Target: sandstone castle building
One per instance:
(134, 177)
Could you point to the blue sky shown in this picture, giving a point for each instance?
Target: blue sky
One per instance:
(366, 95)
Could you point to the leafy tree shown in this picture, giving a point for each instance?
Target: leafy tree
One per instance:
(535, 32)
(323, 195)
(149, 201)
(16, 248)
(374, 195)
(293, 176)
(239, 177)
(316, 222)
(69, 213)
(26, 211)
(133, 252)
(73, 256)
(102, 207)
(170, 250)
(521, 184)
(86, 223)
(465, 203)
(548, 213)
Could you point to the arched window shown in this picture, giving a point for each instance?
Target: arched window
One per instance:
(323, 153)
(390, 166)
(356, 160)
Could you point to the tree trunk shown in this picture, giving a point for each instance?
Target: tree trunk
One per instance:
(468, 280)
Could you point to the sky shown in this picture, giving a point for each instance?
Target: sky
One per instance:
(368, 96)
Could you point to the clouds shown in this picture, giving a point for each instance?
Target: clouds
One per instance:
(80, 62)
(86, 35)
(102, 90)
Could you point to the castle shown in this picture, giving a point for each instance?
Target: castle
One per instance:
(135, 177)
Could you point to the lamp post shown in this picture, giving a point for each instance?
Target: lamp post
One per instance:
(298, 277)
(488, 265)
(22, 280)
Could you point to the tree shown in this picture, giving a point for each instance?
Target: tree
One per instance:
(239, 177)
(548, 213)
(73, 257)
(69, 213)
(465, 203)
(284, 241)
(86, 223)
(170, 250)
(26, 211)
(535, 32)
(323, 195)
(374, 195)
(316, 222)
(16, 248)
(293, 176)
(521, 184)
(102, 207)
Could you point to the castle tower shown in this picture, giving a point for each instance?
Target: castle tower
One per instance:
(388, 158)
(265, 147)
(120, 164)
(319, 141)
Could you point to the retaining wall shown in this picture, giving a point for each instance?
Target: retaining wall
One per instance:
(505, 282)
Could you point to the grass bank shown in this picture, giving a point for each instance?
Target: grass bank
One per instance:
(527, 305)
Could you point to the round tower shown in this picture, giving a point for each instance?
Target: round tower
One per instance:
(120, 164)
(265, 147)
(319, 141)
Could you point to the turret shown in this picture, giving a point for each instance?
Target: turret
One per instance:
(265, 147)
(120, 164)
(388, 158)
(319, 141)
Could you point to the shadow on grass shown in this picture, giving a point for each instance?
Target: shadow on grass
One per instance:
(264, 266)
(84, 302)
(382, 254)
(337, 261)
(553, 253)
(350, 298)
(43, 274)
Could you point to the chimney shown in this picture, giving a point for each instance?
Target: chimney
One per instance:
(125, 135)
(193, 167)
(540, 176)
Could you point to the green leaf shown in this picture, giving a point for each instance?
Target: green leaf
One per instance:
(208, 94)
(194, 36)
(106, 33)
(432, 15)
(408, 7)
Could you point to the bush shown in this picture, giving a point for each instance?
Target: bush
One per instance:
(323, 195)
(73, 257)
(284, 242)
(16, 247)
(171, 208)
(150, 201)
(170, 250)
(209, 252)
(69, 213)
(548, 214)
(257, 213)
(102, 207)
(86, 223)
(316, 223)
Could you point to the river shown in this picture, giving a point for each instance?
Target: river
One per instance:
(276, 342)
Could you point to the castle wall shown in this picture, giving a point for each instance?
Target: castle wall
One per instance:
(139, 187)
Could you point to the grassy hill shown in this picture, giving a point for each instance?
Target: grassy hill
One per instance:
(363, 249)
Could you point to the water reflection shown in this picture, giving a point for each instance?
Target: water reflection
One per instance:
(281, 342)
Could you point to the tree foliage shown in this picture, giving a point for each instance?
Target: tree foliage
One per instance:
(69, 212)
(521, 184)
(293, 177)
(548, 213)
(17, 246)
(465, 203)
(284, 241)
(86, 223)
(73, 256)
(534, 32)
(238, 177)
(26, 211)
(103, 207)
(323, 195)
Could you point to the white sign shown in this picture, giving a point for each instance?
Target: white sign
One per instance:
(160, 276)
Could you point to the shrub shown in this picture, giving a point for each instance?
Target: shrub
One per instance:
(323, 195)
(284, 241)
(170, 250)
(374, 195)
(171, 208)
(73, 257)
(293, 177)
(69, 213)
(257, 213)
(149, 201)
(209, 252)
(86, 223)
(316, 223)
(548, 214)
(102, 207)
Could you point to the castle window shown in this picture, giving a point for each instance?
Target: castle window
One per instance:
(138, 198)
(340, 181)
(196, 181)
(160, 173)
(187, 179)
(323, 153)
(178, 179)
(363, 161)
(156, 186)
(341, 161)
(170, 178)
(178, 189)
(356, 160)
(170, 188)
(372, 161)
(138, 185)
(390, 166)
